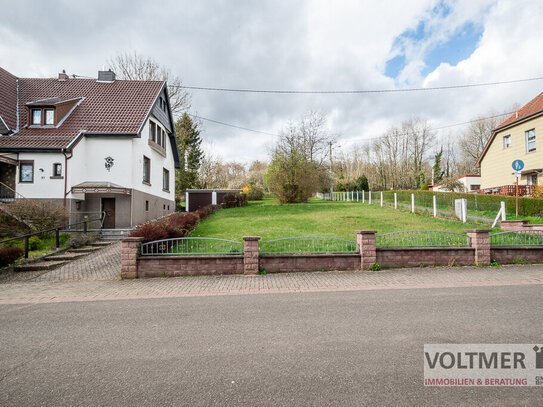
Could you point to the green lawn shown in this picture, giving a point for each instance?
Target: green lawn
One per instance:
(315, 218)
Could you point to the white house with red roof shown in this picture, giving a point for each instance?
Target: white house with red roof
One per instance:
(92, 145)
(514, 139)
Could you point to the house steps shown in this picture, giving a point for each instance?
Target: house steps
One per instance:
(40, 266)
(112, 235)
(66, 256)
(85, 249)
(54, 261)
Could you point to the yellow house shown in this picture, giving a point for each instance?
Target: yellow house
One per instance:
(520, 137)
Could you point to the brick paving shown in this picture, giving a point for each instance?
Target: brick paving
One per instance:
(44, 290)
(103, 264)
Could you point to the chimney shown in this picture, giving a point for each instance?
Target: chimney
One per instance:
(106, 76)
(62, 77)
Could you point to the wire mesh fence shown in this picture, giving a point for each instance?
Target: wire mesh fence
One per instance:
(477, 208)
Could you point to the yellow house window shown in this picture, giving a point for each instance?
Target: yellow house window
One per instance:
(530, 140)
(507, 141)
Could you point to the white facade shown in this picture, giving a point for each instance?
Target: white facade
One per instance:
(470, 182)
(87, 164)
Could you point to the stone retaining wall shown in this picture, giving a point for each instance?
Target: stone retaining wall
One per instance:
(480, 252)
(173, 266)
(425, 256)
(313, 262)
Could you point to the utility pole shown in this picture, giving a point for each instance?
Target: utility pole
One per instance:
(331, 177)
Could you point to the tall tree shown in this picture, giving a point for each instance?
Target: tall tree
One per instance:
(191, 155)
(133, 66)
(436, 169)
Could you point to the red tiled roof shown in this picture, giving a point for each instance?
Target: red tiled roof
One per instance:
(117, 107)
(8, 98)
(533, 106)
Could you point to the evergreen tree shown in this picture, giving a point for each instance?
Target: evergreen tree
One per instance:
(438, 174)
(190, 152)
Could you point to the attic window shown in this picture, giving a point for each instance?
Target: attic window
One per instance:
(49, 116)
(36, 117)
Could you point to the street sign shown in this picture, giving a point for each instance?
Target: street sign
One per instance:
(518, 165)
(518, 174)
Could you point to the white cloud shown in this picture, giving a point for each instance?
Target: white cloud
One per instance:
(312, 44)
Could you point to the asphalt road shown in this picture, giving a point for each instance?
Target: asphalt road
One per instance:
(340, 348)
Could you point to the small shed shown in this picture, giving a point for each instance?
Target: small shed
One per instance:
(197, 198)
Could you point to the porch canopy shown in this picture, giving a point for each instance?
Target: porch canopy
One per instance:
(93, 187)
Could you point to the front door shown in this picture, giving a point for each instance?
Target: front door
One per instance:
(108, 206)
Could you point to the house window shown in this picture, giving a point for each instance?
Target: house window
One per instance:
(36, 117)
(49, 116)
(146, 206)
(57, 170)
(475, 187)
(26, 171)
(530, 140)
(507, 141)
(146, 170)
(165, 179)
(152, 131)
(531, 179)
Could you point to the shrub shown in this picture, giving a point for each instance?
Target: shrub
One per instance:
(35, 243)
(253, 192)
(176, 225)
(80, 239)
(24, 216)
(9, 254)
(375, 267)
(232, 200)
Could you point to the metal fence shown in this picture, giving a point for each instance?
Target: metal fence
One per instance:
(422, 238)
(308, 245)
(191, 246)
(517, 238)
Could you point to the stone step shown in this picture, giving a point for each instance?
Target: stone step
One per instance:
(85, 249)
(39, 266)
(100, 243)
(67, 256)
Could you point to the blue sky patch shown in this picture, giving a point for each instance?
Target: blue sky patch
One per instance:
(457, 48)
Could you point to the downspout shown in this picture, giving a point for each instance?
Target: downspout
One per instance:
(66, 158)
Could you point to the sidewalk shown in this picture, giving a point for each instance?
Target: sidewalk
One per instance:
(73, 291)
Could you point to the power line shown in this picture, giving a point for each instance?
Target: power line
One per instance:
(443, 127)
(312, 92)
(231, 125)
(365, 139)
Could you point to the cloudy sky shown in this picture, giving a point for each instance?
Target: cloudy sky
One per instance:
(297, 45)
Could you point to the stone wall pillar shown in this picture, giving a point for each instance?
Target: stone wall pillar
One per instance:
(366, 243)
(250, 254)
(129, 256)
(507, 225)
(480, 241)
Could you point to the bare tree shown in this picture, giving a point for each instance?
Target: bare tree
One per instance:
(133, 66)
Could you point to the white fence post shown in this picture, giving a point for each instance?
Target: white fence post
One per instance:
(381, 199)
(464, 210)
(363, 196)
(356, 196)
(395, 200)
(369, 197)
(412, 203)
(502, 205)
(435, 207)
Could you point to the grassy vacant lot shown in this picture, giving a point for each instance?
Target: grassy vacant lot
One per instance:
(315, 218)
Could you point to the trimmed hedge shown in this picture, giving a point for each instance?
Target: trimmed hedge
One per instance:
(176, 225)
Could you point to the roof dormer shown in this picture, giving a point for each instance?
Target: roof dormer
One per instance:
(50, 112)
